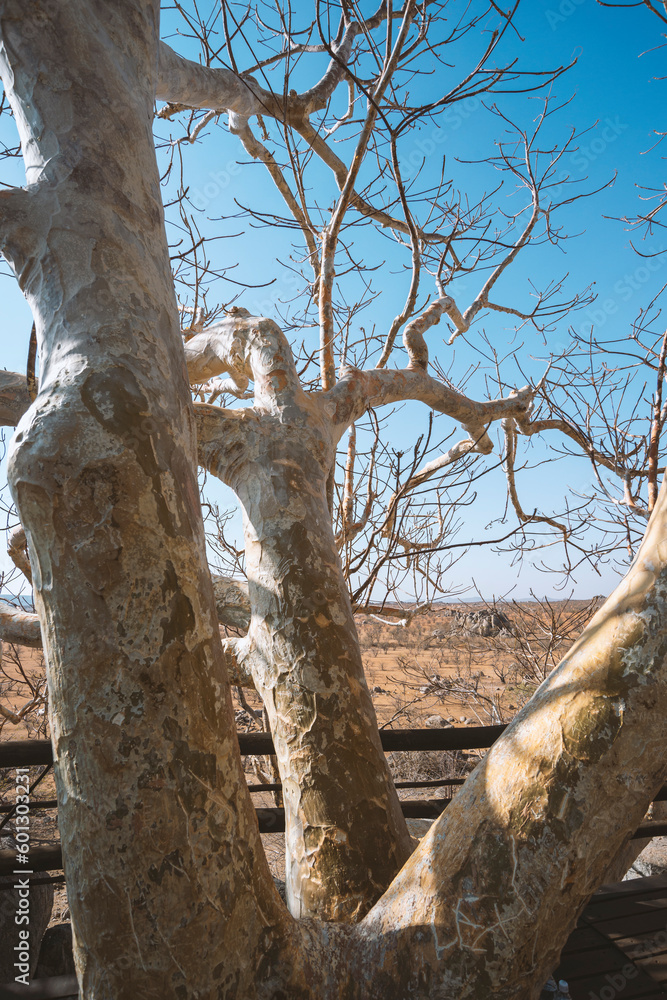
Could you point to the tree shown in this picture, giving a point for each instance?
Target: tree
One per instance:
(169, 890)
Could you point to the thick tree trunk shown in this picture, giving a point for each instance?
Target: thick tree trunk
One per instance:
(346, 837)
(168, 888)
(345, 834)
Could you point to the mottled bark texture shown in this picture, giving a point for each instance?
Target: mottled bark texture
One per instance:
(345, 833)
(232, 606)
(168, 888)
(14, 396)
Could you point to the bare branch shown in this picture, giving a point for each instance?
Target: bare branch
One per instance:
(413, 335)
(510, 456)
(30, 377)
(454, 454)
(14, 398)
(184, 82)
(411, 300)
(21, 627)
(359, 204)
(17, 550)
(331, 233)
(358, 390)
(482, 299)
(656, 428)
(239, 126)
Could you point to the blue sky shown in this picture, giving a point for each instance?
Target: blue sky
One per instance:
(610, 85)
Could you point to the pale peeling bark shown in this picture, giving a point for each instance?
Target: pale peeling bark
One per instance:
(358, 390)
(277, 457)
(17, 550)
(232, 606)
(345, 834)
(168, 887)
(485, 904)
(232, 602)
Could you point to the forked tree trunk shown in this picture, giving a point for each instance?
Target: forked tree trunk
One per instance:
(346, 837)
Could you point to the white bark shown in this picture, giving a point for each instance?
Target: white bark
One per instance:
(345, 834)
(17, 550)
(484, 905)
(500, 879)
(14, 396)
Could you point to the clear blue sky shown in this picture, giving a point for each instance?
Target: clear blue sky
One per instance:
(611, 86)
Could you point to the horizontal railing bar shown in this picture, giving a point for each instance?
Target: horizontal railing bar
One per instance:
(21, 753)
(40, 879)
(471, 738)
(273, 786)
(273, 820)
(276, 786)
(431, 783)
(656, 828)
(40, 859)
(46, 859)
(36, 804)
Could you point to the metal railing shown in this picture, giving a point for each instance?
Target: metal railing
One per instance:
(21, 753)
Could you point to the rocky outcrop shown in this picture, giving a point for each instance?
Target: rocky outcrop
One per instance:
(487, 622)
